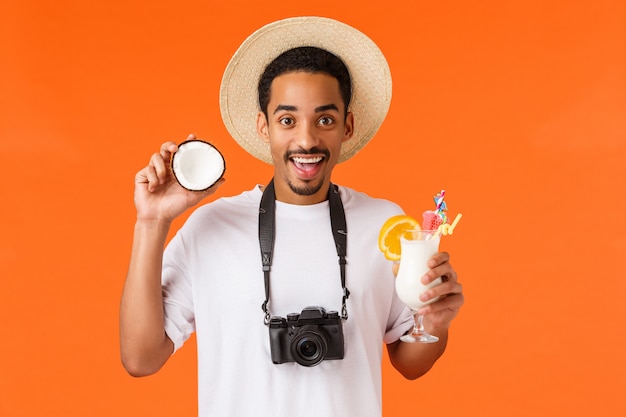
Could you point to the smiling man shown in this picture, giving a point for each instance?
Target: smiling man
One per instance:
(303, 94)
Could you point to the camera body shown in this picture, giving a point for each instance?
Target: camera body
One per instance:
(306, 338)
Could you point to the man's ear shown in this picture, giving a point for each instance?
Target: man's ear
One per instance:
(349, 130)
(261, 126)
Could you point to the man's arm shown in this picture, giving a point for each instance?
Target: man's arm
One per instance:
(159, 199)
(413, 360)
(144, 346)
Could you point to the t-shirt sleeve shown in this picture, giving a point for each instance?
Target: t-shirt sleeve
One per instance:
(400, 321)
(177, 293)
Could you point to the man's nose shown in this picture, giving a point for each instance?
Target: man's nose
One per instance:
(305, 136)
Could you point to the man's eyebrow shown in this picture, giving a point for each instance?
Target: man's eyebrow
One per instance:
(284, 107)
(325, 108)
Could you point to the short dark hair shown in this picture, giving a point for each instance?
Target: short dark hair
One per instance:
(307, 59)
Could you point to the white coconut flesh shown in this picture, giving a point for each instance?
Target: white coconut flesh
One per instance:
(197, 165)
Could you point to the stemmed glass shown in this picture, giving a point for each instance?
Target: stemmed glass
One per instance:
(417, 247)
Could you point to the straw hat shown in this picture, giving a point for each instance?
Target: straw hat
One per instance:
(371, 79)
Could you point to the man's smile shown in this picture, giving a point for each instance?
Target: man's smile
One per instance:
(306, 167)
(306, 162)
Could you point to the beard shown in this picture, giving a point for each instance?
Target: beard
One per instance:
(309, 188)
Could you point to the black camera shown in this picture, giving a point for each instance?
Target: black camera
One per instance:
(306, 338)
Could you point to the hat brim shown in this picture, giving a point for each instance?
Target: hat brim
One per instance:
(371, 78)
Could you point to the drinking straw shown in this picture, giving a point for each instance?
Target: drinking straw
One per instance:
(439, 200)
(454, 223)
(448, 229)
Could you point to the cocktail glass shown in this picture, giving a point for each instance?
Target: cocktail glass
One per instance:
(417, 247)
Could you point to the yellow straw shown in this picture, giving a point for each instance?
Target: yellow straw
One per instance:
(454, 223)
(447, 229)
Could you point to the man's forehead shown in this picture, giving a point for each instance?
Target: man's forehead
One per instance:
(295, 85)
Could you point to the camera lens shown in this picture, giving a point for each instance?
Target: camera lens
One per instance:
(309, 348)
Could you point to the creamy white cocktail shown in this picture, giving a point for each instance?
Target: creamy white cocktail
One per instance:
(402, 239)
(417, 247)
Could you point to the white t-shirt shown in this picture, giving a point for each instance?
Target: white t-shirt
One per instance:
(213, 284)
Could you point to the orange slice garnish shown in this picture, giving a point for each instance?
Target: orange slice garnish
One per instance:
(390, 233)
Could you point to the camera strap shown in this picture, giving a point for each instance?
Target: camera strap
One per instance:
(267, 228)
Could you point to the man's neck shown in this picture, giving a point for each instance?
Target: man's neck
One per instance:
(285, 194)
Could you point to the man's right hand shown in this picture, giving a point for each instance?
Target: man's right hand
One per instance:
(158, 196)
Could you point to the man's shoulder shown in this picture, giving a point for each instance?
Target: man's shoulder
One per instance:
(359, 200)
(243, 204)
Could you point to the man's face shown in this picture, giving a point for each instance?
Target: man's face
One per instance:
(305, 127)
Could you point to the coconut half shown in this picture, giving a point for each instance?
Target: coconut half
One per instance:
(197, 165)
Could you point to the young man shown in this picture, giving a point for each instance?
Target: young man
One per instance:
(215, 273)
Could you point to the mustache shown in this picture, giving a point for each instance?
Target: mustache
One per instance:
(312, 151)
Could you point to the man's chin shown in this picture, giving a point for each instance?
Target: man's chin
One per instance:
(306, 188)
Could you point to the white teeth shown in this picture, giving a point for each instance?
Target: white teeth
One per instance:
(300, 160)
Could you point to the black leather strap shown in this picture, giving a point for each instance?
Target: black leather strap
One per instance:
(267, 229)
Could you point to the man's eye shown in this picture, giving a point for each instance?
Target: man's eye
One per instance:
(326, 121)
(286, 121)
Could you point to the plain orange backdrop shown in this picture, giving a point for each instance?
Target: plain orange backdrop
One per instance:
(516, 108)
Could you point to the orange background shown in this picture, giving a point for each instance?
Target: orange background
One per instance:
(516, 108)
